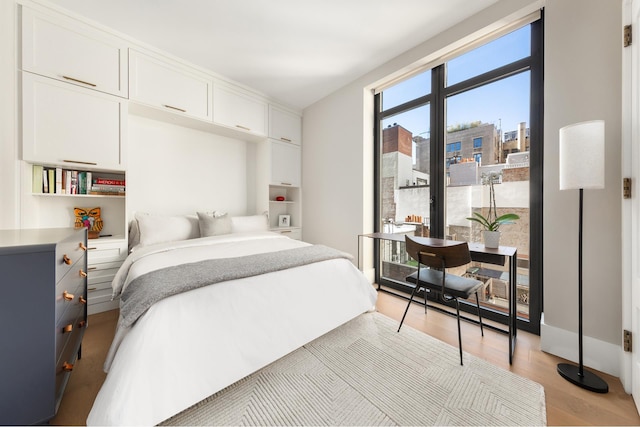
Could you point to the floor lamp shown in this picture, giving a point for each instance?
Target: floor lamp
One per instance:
(582, 167)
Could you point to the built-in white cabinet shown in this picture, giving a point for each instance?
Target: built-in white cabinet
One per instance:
(284, 125)
(104, 258)
(239, 110)
(64, 49)
(169, 85)
(278, 186)
(285, 164)
(63, 124)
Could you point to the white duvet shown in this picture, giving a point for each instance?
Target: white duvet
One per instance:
(189, 346)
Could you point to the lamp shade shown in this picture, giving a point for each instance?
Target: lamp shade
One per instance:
(582, 155)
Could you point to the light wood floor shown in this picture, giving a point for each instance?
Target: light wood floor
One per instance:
(566, 403)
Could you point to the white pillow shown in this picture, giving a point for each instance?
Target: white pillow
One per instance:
(159, 228)
(214, 223)
(243, 224)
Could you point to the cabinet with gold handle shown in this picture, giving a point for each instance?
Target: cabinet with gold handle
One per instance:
(78, 81)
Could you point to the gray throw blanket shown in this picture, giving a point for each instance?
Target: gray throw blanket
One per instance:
(146, 290)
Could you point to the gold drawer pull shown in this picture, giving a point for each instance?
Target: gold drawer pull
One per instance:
(67, 329)
(67, 296)
(92, 268)
(81, 324)
(80, 162)
(285, 139)
(66, 259)
(92, 289)
(78, 81)
(92, 248)
(82, 273)
(243, 127)
(66, 366)
(286, 183)
(82, 300)
(82, 246)
(174, 108)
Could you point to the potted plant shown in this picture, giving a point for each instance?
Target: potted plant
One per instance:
(492, 221)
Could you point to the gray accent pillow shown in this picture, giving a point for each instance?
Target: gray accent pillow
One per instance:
(213, 223)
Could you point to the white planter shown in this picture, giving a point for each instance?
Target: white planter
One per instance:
(491, 238)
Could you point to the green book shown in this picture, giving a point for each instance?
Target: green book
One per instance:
(36, 178)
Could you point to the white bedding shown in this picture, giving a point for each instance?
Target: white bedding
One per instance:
(191, 345)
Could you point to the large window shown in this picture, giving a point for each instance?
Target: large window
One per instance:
(441, 133)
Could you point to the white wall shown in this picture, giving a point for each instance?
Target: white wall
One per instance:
(9, 165)
(582, 81)
(176, 170)
(583, 68)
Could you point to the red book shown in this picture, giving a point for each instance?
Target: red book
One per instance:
(106, 181)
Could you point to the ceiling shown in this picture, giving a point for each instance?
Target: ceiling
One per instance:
(297, 51)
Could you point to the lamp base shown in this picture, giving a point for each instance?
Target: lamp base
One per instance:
(587, 380)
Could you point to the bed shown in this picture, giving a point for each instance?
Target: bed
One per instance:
(189, 345)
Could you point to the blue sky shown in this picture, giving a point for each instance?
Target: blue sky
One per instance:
(504, 103)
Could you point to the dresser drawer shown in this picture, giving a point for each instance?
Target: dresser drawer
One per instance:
(70, 289)
(68, 356)
(100, 295)
(100, 252)
(68, 253)
(72, 319)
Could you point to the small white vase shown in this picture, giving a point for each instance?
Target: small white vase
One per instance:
(491, 238)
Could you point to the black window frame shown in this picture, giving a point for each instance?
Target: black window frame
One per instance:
(437, 98)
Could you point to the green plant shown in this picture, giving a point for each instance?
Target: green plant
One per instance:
(492, 221)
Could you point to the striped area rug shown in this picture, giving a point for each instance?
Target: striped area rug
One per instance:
(365, 373)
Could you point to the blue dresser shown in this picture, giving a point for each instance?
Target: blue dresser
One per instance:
(43, 313)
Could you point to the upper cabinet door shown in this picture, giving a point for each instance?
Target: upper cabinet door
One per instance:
(63, 124)
(169, 85)
(284, 125)
(285, 164)
(239, 110)
(74, 52)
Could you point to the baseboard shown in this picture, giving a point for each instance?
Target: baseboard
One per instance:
(599, 355)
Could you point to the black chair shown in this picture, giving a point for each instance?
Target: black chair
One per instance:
(450, 287)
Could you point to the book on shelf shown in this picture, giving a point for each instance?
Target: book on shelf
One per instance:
(51, 180)
(36, 178)
(108, 181)
(59, 181)
(67, 181)
(74, 182)
(45, 180)
(56, 180)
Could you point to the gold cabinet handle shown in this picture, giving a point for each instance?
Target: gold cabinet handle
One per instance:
(92, 289)
(66, 259)
(81, 324)
(80, 162)
(243, 127)
(286, 183)
(82, 300)
(82, 246)
(66, 366)
(67, 329)
(174, 108)
(282, 138)
(78, 81)
(92, 268)
(67, 296)
(82, 273)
